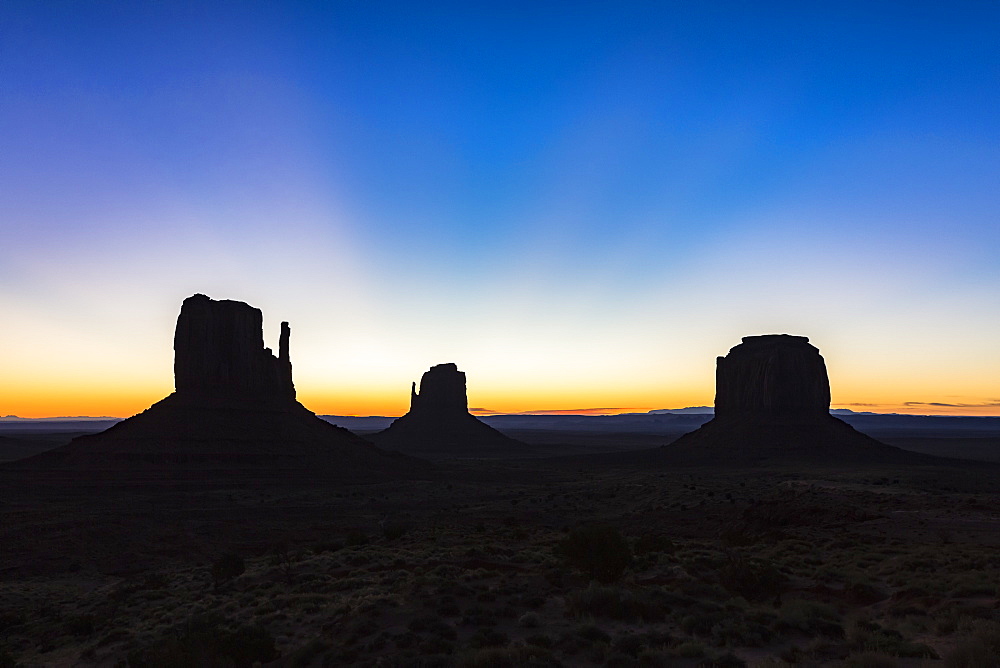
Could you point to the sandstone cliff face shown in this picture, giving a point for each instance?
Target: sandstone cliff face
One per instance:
(774, 375)
(219, 349)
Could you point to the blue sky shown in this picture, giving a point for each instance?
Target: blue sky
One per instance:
(587, 200)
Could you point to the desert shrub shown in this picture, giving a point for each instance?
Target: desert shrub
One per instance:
(862, 592)
(974, 584)
(870, 638)
(655, 658)
(203, 642)
(972, 653)
(735, 631)
(447, 607)
(227, 567)
(701, 622)
(539, 639)
(620, 660)
(394, 530)
(7, 659)
(491, 638)
(405, 640)
(592, 634)
(477, 616)
(356, 537)
(327, 546)
(811, 617)
(653, 543)
(599, 550)
(80, 625)
(436, 647)
(724, 661)
(614, 602)
(529, 620)
(691, 650)
(307, 654)
(9, 619)
(753, 579)
(433, 626)
(508, 657)
(871, 660)
(155, 580)
(634, 643)
(980, 649)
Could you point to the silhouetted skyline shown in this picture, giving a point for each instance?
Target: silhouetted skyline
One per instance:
(582, 206)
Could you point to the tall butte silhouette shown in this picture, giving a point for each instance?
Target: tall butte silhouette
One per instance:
(233, 408)
(772, 405)
(439, 422)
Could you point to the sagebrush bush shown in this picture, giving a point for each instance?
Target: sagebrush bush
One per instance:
(204, 642)
(227, 567)
(811, 617)
(753, 579)
(653, 543)
(979, 650)
(615, 603)
(599, 550)
(508, 657)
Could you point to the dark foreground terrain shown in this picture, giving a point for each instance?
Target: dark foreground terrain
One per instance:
(506, 563)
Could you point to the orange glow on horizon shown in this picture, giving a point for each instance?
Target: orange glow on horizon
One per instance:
(39, 402)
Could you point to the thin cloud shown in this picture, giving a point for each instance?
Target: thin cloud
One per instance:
(988, 404)
(583, 411)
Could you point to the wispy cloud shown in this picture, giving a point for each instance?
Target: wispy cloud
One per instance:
(585, 411)
(564, 411)
(992, 403)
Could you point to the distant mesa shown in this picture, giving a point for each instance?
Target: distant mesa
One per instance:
(439, 422)
(772, 405)
(233, 408)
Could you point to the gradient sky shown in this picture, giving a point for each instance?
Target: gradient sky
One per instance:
(580, 204)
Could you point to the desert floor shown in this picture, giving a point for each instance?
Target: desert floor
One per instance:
(505, 563)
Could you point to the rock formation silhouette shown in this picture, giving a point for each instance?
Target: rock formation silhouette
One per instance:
(772, 405)
(219, 349)
(775, 376)
(233, 408)
(439, 423)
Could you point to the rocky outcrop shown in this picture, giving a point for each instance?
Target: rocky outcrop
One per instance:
(772, 406)
(219, 349)
(439, 423)
(775, 375)
(233, 411)
(442, 393)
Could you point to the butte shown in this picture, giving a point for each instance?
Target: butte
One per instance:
(233, 410)
(772, 406)
(439, 423)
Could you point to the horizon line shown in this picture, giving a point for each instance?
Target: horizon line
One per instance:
(594, 412)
